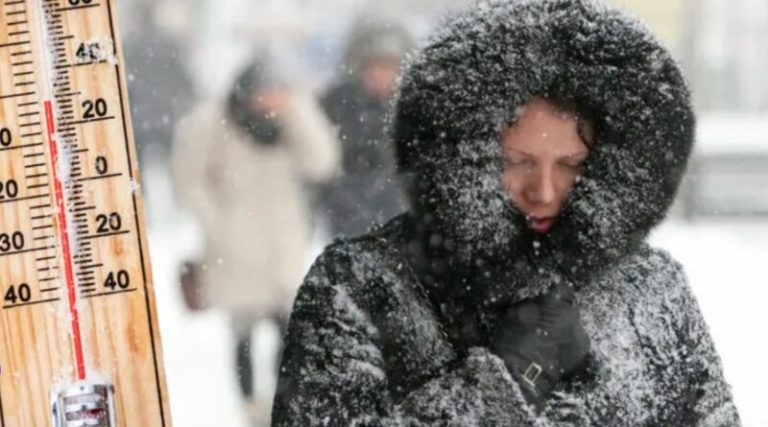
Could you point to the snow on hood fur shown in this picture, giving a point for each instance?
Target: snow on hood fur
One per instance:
(461, 90)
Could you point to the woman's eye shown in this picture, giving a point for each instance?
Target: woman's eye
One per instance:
(573, 164)
(516, 162)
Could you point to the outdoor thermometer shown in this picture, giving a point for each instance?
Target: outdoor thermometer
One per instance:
(79, 340)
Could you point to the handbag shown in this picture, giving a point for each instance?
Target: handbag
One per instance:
(191, 281)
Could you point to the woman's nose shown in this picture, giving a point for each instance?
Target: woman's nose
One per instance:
(541, 187)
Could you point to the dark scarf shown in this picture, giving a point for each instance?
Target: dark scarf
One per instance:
(263, 129)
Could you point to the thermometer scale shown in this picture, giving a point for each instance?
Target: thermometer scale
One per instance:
(79, 339)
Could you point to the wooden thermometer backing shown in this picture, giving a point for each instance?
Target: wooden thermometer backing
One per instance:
(79, 340)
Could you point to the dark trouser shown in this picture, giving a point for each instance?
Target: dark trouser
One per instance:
(243, 361)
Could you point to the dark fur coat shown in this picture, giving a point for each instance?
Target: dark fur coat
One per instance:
(392, 328)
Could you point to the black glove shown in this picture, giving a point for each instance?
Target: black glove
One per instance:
(541, 340)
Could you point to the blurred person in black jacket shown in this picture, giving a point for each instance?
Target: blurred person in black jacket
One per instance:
(366, 192)
(161, 91)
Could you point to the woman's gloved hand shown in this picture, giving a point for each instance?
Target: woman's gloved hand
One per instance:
(541, 340)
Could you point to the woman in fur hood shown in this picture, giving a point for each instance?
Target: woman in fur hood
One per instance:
(540, 142)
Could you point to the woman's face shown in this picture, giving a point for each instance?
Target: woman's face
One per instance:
(543, 152)
(379, 76)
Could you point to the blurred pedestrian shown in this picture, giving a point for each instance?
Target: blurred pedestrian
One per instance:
(161, 91)
(366, 193)
(243, 169)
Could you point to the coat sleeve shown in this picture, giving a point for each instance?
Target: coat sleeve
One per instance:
(706, 397)
(311, 139)
(191, 162)
(333, 371)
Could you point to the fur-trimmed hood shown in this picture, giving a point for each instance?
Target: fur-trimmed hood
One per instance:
(458, 93)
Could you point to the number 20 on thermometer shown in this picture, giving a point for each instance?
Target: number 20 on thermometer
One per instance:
(79, 342)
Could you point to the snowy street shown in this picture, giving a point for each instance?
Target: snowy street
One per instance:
(197, 347)
(725, 263)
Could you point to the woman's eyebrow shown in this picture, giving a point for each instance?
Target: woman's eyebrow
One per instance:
(515, 150)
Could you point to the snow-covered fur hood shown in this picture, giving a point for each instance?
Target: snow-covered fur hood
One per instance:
(457, 95)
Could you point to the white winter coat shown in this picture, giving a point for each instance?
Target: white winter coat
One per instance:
(251, 201)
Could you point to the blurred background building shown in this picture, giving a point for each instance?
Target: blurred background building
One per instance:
(181, 51)
(721, 45)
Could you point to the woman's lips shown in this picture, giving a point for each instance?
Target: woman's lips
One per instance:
(540, 225)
